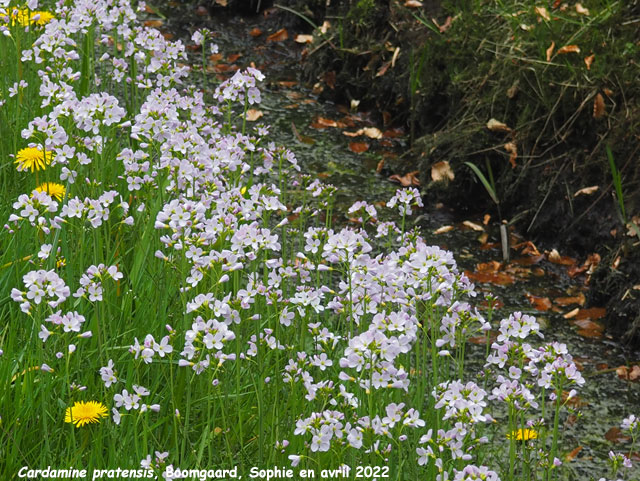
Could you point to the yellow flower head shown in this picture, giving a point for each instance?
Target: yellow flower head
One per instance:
(523, 435)
(32, 158)
(26, 17)
(82, 413)
(53, 189)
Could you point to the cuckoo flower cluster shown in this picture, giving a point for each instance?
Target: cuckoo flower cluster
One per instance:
(223, 305)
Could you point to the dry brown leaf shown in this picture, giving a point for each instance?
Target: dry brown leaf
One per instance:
(569, 49)
(413, 4)
(222, 3)
(542, 12)
(473, 226)
(587, 190)
(615, 434)
(441, 171)
(255, 32)
(324, 28)
(153, 23)
(567, 301)
(302, 38)
(371, 132)
(589, 60)
(593, 313)
(512, 148)
(407, 180)
(358, 147)
(254, 114)
(571, 314)
(550, 51)
(499, 278)
(380, 166)
(539, 303)
(486, 218)
(572, 455)
(279, 36)
(581, 10)
(383, 69)
(608, 92)
(322, 123)
(598, 106)
(443, 229)
(496, 126)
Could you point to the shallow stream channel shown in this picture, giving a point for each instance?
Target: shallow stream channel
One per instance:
(538, 281)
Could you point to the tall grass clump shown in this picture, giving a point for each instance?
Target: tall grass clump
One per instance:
(177, 295)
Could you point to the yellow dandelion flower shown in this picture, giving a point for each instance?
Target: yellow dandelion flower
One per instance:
(26, 17)
(82, 413)
(53, 189)
(523, 435)
(32, 158)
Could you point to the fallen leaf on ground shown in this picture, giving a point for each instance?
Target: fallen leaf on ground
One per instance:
(486, 218)
(569, 49)
(581, 10)
(222, 3)
(542, 12)
(496, 126)
(323, 123)
(279, 36)
(358, 147)
(153, 23)
(615, 435)
(539, 303)
(302, 38)
(255, 32)
(555, 257)
(593, 313)
(527, 261)
(407, 180)
(571, 314)
(491, 266)
(589, 266)
(483, 340)
(599, 109)
(473, 226)
(587, 190)
(588, 328)
(443, 229)
(567, 301)
(499, 278)
(231, 58)
(589, 60)
(254, 114)
(572, 455)
(371, 132)
(512, 149)
(441, 171)
(383, 69)
(413, 4)
(550, 51)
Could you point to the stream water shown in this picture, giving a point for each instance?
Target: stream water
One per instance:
(290, 107)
